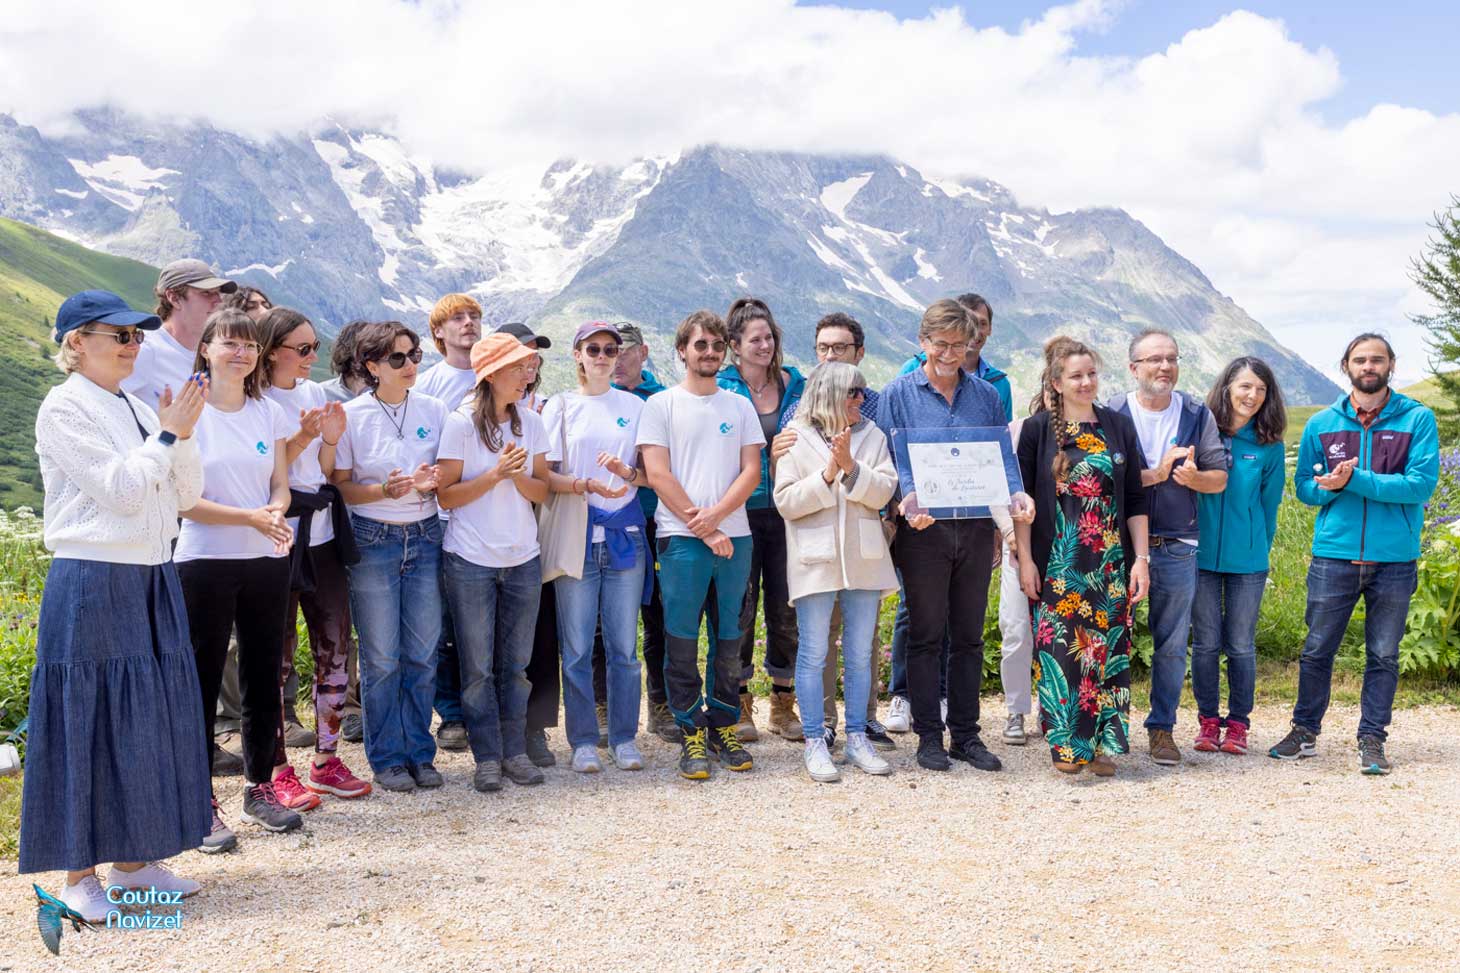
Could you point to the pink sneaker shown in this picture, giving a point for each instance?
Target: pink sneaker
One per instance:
(1209, 740)
(1236, 739)
(333, 777)
(291, 793)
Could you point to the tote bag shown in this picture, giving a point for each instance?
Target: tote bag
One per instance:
(562, 523)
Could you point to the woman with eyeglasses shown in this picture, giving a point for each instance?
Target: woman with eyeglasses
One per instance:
(592, 453)
(385, 466)
(757, 374)
(115, 767)
(323, 547)
(830, 487)
(232, 555)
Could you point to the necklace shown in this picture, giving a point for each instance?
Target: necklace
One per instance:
(756, 391)
(397, 419)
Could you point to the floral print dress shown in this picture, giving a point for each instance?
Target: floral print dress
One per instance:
(1082, 619)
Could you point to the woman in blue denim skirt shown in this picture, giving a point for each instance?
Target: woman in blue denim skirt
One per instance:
(493, 461)
(1237, 529)
(116, 769)
(591, 434)
(385, 469)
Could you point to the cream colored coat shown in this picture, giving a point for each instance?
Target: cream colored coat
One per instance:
(834, 538)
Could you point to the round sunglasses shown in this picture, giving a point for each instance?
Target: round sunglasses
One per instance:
(121, 337)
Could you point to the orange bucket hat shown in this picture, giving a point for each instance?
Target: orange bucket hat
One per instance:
(495, 352)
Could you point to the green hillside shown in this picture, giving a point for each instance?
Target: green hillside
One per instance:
(38, 270)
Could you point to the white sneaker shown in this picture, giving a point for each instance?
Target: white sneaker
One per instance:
(88, 898)
(153, 875)
(626, 756)
(1014, 734)
(861, 754)
(818, 762)
(943, 708)
(899, 715)
(585, 760)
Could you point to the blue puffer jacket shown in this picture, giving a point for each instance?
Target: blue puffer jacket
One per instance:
(730, 380)
(998, 379)
(1379, 514)
(1237, 525)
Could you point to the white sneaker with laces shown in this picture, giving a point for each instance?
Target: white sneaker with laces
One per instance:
(626, 756)
(1014, 734)
(153, 875)
(861, 754)
(899, 715)
(943, 708)
(818, 762)
(88, 898)
(585, 760)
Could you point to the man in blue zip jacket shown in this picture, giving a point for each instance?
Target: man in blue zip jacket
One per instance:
(973, 361)
(1369, 463)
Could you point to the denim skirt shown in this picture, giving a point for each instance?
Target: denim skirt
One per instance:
(115, 767)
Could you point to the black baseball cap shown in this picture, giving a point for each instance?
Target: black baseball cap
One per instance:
(524, 334)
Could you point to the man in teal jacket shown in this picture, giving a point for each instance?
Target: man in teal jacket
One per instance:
(973, 362)
(1369, 463)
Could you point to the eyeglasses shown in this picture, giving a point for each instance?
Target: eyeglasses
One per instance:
(944, 347)
(234, 347)
(839, 348)
(609, 350)
(1156, 360)
(121, 337)
(857, 393)
(397, 359)
(303, 350)
(703, 346)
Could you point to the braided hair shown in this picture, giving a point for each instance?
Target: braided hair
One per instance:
(1051, 401)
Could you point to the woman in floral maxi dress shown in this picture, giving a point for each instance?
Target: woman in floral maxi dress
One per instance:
(1088, 565)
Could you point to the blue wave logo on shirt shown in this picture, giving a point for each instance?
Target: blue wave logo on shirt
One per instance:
(422, 432)
(263, 450)
(622, 422)
(955, 451)
(725, 428)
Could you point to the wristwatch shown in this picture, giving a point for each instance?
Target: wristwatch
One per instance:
(166, 438)
(1143, 557)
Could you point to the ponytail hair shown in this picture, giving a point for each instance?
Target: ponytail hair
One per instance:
(1048, 399)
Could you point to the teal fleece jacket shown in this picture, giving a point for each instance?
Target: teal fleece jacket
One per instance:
(998, 379)
(729, 379)
(1237, 526)
(1379, 513)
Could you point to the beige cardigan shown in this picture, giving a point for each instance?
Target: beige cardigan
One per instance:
(834, 538)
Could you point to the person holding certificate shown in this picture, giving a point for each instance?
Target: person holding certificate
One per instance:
(946, 564)
(1084, 562)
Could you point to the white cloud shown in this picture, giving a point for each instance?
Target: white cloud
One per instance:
(1216, 142)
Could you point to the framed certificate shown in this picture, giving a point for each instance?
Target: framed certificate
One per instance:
(959, 472)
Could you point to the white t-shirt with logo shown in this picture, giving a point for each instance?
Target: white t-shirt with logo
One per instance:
(594, 424)
(305, 472)
(1156, 430)
(497, 529)
(704, 434)
(379, 438)
(446, 382)
(238, 451)
(161, 363)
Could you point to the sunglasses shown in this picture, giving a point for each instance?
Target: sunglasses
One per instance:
(857, 393)
(397, 359)
(609, 350)
(121, 337)
(702, 346)
(305, 350)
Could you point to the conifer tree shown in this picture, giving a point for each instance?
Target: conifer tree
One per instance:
(1437, 273)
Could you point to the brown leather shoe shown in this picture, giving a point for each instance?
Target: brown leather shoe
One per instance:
(1163, 748)
(745, 730)
(785, 721)
(1066, 767)
(1102, 766)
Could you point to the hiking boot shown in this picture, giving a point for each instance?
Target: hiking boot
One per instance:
(297, 735)
(537, 749)
(261, 806)
(931, 755)
(662, 725)
(694, 757)
(425, 775)
(396, 779)
(352, 728)
(333, 777)
(745, 730)
(1371, 756)
(220, 838)
(626, 756)
(974, 752)
(291, 793)
(585, 761)
(1235, 739)
(1014, 734)
(860, 754)
(1163, 748)
(899, 715)
(153, 875)
(226, 763)
(451, 735)
(818, 762)
(724, 745)
(785, 722)
(1299, 743)
(87, 898)
(488, 776)
(1103, 766)
(602, 710)
(877, 736)
(521, 770)
(1209, 737)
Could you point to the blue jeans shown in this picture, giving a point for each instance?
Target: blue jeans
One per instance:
(610, 598)
(688, 572)
(395, 600)
(448, 668)
(813, 625)
(897, 684)
(495, 613)
(1334, 587)
(1173, 589)
(1224, 619)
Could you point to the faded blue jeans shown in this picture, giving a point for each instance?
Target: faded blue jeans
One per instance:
(1224, 620)
(494, 611)
(813, 627)
(395, 601)
(1334, 587)
(1173, 589)
(610, 598)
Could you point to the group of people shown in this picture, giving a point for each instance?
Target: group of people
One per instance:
(495, 552)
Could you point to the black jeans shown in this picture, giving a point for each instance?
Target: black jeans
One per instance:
(945, 574)
(652, 617)
(252, 594)
(544, 670)
(768, 575)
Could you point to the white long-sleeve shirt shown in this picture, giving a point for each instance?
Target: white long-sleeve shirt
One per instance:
(111, 494)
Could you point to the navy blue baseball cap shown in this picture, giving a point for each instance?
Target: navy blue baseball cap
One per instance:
(82, 309)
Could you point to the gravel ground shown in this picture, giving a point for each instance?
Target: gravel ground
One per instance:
(1224, 864)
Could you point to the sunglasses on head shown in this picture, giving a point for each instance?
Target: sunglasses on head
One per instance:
(609, 350)
(397, 359)
(701, 346)
(122, 337)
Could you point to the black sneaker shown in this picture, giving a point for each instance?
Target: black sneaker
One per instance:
(828, 733)
(931, 755)
(226, 763)
(425, 775)
(537, 749)
(1371, 756)
(1297, 744)
(878, 736)
(261, 806)
(694, 760)
(973, 751)
(725, 745)
(451, 735)
(352, 728)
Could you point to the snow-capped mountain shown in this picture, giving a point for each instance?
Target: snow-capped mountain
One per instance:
(345, 223)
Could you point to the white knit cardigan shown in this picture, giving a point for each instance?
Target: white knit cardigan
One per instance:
(111, 495)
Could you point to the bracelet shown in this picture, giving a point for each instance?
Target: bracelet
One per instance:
(383, 492)
(633, 476)
(327, 442)
(1143, 557)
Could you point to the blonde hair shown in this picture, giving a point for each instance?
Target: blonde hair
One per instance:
(946, 315)
(824, 401)
(67, 358)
